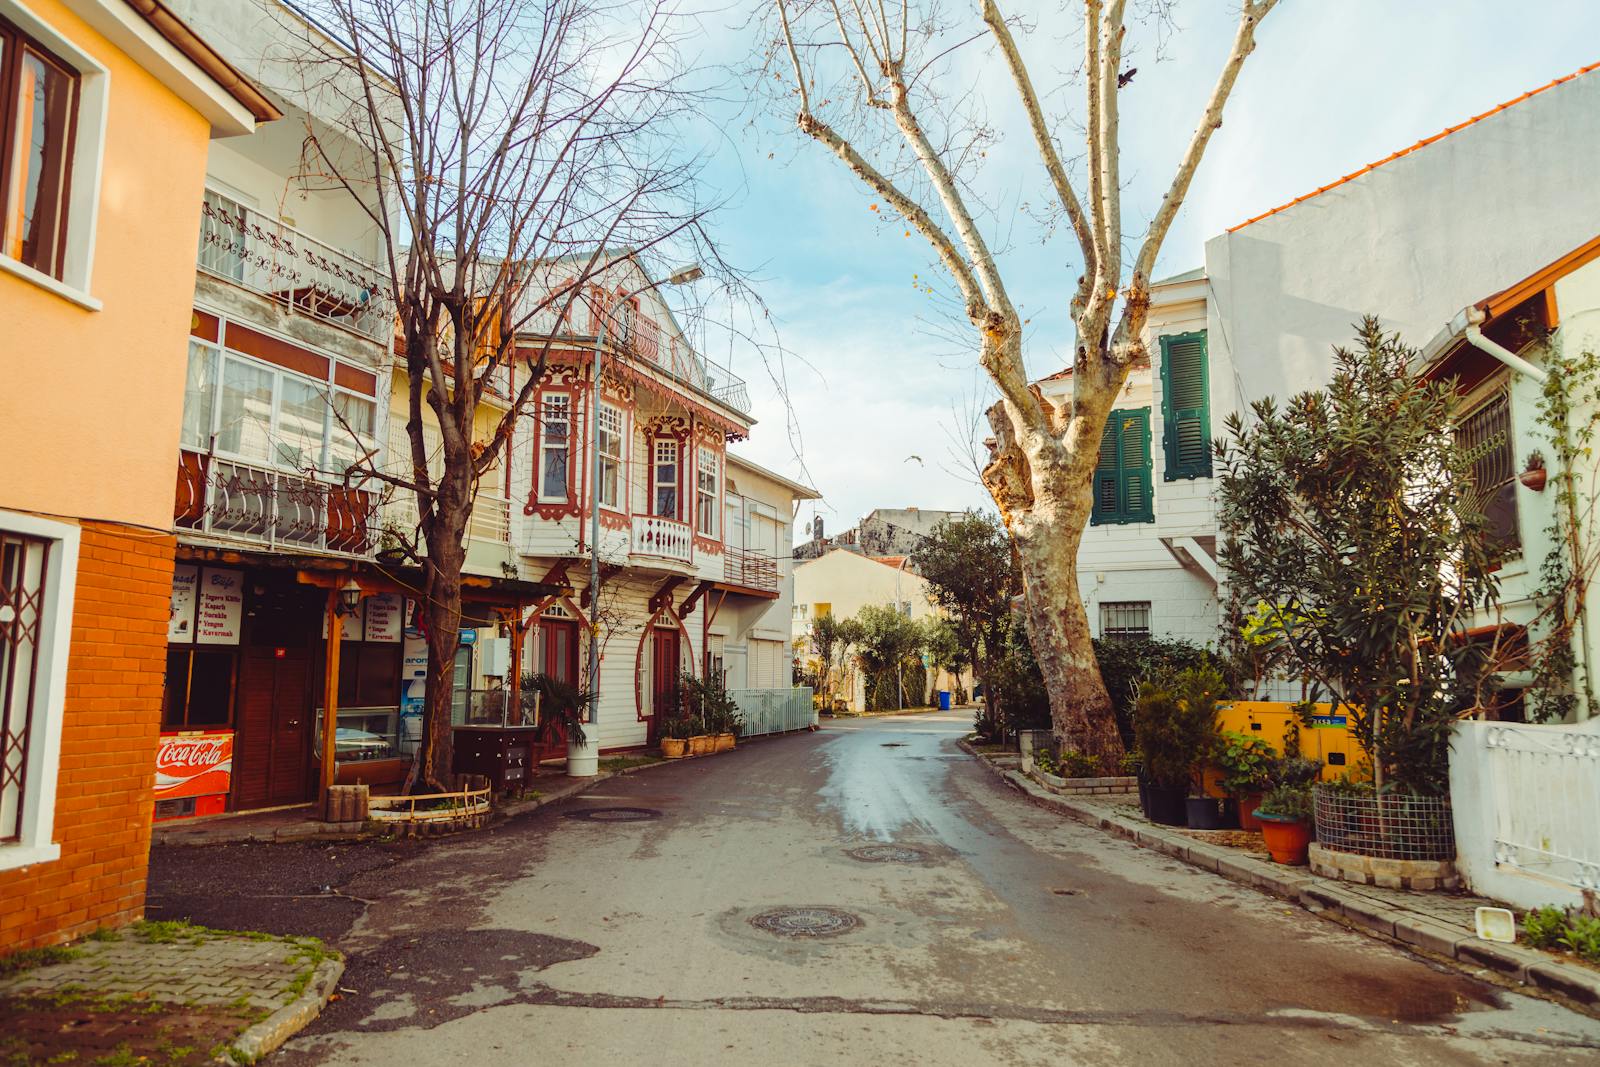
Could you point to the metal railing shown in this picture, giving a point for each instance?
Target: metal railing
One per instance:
(662, 538)
(272, 258)
(774, 711)
(642, 337)
(753, 570)
(235, 500)
(490, 520)
(1545, 791)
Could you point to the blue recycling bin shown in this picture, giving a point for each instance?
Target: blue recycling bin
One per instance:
(944, 700)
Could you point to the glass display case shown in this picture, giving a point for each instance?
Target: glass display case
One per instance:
(364, 734)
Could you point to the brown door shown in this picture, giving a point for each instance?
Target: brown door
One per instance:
(665, 664)
(274, 727)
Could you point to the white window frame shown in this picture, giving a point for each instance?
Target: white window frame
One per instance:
(44, 743)
(619, 458)
(707, 463)
(544, 446)
(656, 483)
(88, 159)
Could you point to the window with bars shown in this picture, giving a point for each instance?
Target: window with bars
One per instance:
(664, 479)
(706, 492)
(1125, 619)
(38, 565)
(1185, 407)
(1122, 491)
(555, 443)
(611, 438)
(1485, 436)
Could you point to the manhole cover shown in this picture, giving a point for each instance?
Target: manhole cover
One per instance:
(615, 814)
(888, 854)
(894, 744)
(806, 922)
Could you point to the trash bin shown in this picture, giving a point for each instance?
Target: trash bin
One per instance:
(944, 700)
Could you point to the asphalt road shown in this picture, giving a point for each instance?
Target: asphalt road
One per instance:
(1011, 937)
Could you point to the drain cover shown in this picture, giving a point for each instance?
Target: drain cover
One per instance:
(888, 854)
(615, 814)
(894, 744)
(806, 922)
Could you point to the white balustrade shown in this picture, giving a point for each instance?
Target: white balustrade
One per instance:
(662, 538)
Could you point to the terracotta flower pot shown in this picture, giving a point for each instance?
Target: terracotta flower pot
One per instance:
(703, 745)
(1287, 839)
(1534, 478)
(724, 742)
(1248, 802)
(674, 747)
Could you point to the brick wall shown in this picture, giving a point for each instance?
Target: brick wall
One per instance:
(108, 746)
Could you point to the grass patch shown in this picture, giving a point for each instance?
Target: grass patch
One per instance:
(30, 958)
(105, 933)
(623, 763)
(166, 932)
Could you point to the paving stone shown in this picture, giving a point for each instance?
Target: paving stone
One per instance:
(1369, 914)
(1580, 983)
(1435, 937)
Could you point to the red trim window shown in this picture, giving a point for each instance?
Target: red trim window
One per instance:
(665, 453)
(38, 116)
(553, 478)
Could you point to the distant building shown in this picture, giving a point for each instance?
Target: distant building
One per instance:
(884, 532)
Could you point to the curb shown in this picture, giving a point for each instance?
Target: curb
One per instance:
(271, 1032)
(1329, 899)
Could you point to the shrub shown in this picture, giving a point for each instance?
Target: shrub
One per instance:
(1295, 771)
(1582, 938)
(1080, 764)
(1247, 762)
(1125, 663)
(708, 707)
(1287, 801)
(1046, 762)
(1543, 927)
(1175, 724)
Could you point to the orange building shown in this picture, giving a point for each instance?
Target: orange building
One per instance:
(107, 108)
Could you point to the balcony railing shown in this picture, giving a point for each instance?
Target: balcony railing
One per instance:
(276, 260)
(228, 499)
(662, 538)
(490, 520)
(753, 570)
(642, 337)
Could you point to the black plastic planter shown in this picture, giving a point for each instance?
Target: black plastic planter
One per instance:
(1212, 813)
(1164, 804)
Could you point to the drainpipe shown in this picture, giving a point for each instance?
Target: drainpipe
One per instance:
(1467, 324)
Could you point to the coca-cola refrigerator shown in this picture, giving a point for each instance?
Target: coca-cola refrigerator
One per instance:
(194, 771)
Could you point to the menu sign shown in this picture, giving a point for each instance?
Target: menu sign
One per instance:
(180, 623)
(349, 626)
(220, 607)
(193, 765)
(384, 617)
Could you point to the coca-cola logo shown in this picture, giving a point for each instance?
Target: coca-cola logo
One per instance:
(196, 752)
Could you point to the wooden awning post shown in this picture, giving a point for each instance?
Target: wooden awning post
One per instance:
(517, 633)
(330, 698)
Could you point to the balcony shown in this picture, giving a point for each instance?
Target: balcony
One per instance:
(269, 257)
(488, 538)
(277, 510)
(752, 570)
(641, 337)
(660, 538)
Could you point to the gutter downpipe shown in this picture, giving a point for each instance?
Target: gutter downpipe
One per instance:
(1469, 321)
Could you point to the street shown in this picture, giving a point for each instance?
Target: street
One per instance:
(992, 932)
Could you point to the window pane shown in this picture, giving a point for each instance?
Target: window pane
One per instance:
(667, 501)
(554, 481)
(355, 415)
(246, 428)
(176, 700)
(609, 482)
(211, 688)
(199, 395)
(302, 410)
(38, 196)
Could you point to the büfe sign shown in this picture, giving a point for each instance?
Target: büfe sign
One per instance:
(193, 764)
(220, 607)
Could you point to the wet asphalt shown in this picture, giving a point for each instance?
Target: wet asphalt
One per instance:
(742, 909)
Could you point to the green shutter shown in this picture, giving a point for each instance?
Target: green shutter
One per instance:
(1185, 407)
(1122, 489)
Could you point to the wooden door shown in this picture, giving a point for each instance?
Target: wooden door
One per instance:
(665, 661)
(558, 659)
(274, 734)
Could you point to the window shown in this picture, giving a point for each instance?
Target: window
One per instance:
(38, 567)
(611, 438)
(199, 690)
(1185, 407)
(705, 508)
(823, 608)
(664, 480)
(1122, 479)
(199, 396)
(1125, 619)
(555, 438)
(39, 95)
(1485, 435)
(369, 674)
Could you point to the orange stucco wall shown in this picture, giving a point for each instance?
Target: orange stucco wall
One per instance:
(93, 399)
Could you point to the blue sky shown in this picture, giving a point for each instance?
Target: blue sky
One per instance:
(880, 379)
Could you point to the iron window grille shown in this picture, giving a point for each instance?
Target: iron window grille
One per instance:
(1485, 436)
(1125, 619)
(24, 574)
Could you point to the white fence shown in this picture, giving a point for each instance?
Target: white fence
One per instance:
(775, 711)
(1527, 809)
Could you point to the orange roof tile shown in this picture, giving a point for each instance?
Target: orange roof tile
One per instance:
(1422, 143)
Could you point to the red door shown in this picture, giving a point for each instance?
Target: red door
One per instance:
(558, 659)
(665, 664)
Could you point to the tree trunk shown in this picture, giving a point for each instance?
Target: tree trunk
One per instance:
(443, 532)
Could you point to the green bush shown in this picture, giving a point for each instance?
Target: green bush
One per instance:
(1287, 801)
(1079, 764)
(1125, 663)
(1543, 927)
(1175, 725)
(1582, 938)
(1246, 761)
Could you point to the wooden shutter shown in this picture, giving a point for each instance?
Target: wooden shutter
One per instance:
(1122, 489)
(1185, 407)
(1107, 477)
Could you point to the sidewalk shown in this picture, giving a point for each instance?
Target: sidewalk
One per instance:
(1441, 924)
(166, 993)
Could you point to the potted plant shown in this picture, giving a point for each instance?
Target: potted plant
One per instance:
(675, 737)
(562, 711)
(1247, 763)
(1174, 722)
(712, 713)
(1533, 476)
(1285, 816)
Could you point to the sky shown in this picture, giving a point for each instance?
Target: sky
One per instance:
(877, 396)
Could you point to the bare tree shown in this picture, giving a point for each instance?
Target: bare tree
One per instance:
(884, 70)
(511, 153)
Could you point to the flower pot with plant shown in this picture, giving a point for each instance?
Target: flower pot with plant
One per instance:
(712, 713)
(561, 710)
(1174, 729)
(1285, 816)
(675, 737)
(1534, 474)
(1246, 762)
